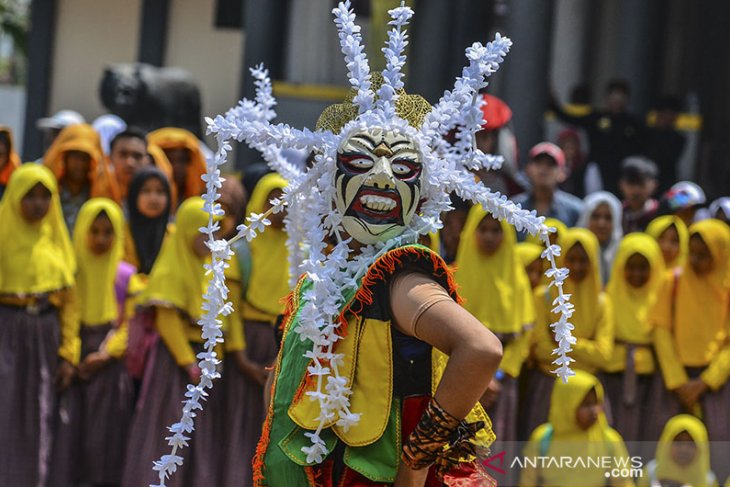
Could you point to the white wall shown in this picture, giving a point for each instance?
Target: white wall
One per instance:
(89, 35)
(12, 111)
(213, 56)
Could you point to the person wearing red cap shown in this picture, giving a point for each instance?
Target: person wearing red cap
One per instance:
(496, 137)
(546, 170)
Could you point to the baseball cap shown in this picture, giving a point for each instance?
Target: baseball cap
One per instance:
(549, 149)
(685, 194)
(60, 120)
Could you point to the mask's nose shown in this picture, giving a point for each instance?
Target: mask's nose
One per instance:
(381, 176)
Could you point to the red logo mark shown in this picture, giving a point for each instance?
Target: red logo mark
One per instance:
(499, 456)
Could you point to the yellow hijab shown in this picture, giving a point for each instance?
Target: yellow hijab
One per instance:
(269, 281)
(694, 474)
(564, 402)
(528, 252)
(495, 288)
(658, 225)
(716, 234)
(632, 307)
(35, 257)
(178, 277)
(560, 229)
(570, 440)
(176, 138)
(96, 273)
(585, 295)
(700, 303)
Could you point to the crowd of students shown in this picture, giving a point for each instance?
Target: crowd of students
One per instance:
(650, 282)
(101, 281)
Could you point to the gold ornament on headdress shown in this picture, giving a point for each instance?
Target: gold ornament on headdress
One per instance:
(411, 108)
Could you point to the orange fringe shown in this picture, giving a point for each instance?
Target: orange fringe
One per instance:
(314, 476)
(384, 267)
(290, 302)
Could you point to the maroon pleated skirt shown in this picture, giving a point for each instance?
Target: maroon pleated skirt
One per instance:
(28, 360)
(159, 406)
(93, 421)
(630, 419)
(536, 401)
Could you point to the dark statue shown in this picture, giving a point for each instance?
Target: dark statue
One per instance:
(150, 97)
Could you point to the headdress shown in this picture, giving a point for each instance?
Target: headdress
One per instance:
(313, 218)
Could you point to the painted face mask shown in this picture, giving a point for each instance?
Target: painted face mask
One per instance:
(378, 184)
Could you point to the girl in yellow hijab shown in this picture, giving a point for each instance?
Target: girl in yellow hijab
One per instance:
(691, 330)
(682, 455)
(101, 401)
(175, 290)
(671, 234)
(593, 319)
(576, 432)
(77, 160)
(39, 334)
(593, 316)
(182, 152)
(496, 290)
(636, 277)
(267, 285)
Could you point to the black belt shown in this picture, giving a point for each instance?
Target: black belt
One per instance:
(35, 308)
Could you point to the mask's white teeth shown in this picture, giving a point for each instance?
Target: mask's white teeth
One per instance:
(377, 203)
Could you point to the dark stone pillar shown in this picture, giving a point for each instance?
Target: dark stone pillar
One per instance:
(472, 22)
(711, 48)
(638, 49)
(429, 57)
(153, 32)
(40, 73)
(525, 85)
(265, 28)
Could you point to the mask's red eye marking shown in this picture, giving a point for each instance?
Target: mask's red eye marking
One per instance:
(355, 163)
(406, 169)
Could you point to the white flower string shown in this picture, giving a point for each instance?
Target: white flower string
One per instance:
(312, 220)
(215, 303)
(358, 69)
(394, 60)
